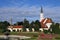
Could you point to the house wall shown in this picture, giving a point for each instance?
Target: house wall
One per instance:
(15, 29)
(20, 29)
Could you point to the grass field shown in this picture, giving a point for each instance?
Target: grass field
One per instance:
(33, 35)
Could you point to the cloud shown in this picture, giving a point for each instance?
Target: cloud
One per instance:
(29, 12)
(53, 12)
(18, 13)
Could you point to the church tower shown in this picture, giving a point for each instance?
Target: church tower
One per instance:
(41, 14)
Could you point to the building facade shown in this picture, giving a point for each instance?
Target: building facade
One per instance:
(18, 29)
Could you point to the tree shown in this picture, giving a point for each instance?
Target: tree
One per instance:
(25, 24)
(19, 23)
(4, 25)
(45, 31)
(31, 26)
(55, 28)
(37, 25)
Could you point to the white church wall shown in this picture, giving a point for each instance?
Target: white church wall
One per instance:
(27, 29)
(49, 24)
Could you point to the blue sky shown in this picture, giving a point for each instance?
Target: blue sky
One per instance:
(29, 9)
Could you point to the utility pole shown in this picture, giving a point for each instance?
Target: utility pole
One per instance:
(11, 21)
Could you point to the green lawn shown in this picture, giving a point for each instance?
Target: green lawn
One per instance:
(33, 35)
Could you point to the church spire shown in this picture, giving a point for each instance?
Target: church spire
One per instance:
(41, 14)
(41, 9)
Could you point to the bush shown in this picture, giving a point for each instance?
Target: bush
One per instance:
(45, 31)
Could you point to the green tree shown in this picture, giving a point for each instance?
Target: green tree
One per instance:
(31, 26)
(25, 24)
(37, 25)
(19, 23)
(45, 31)
(4, 25)
(55, 28)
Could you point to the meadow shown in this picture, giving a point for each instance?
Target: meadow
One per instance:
(35, 35)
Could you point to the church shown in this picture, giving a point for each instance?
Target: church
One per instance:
(45, 22)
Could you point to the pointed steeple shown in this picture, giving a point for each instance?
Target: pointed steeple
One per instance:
(41, 9)
(41, 14)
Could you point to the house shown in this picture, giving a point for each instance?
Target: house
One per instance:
(15, 28)
(18, 29)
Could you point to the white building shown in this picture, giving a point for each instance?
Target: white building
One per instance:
(15, 28)
(18, 29)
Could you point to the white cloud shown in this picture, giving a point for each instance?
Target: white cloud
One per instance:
(32, 12)
(53, 12)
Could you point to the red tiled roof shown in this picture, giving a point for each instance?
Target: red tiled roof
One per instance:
(17, 26)
(43, 24)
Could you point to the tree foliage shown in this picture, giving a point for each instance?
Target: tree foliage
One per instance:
(37, 25)
(4, 25)
(55, 28)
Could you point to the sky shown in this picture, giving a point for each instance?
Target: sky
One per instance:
(18, 10)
